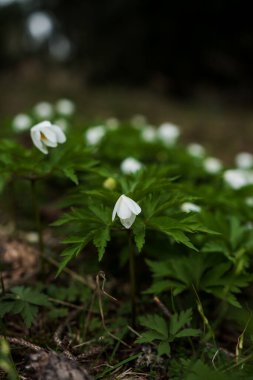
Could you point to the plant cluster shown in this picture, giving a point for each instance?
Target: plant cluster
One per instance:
(168, 226)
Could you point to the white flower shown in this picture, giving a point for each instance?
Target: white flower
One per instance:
(21, 122)
(168, 133)
(46, 134)
(65, 107)
(148, 133)
(237, 178)
(190, 207)
(196, 150)
(138, 121)
(126, 209)
(244, 160)
(94, 135)
(43, 110)
(130, 165)
(212, 165)
(112, 123)
(249, 201)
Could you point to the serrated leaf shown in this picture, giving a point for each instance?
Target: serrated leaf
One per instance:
(70, 173)
(100, 241)
(139, 230)
(156, 323)
(149, 336)
(30, 295)
(28, 313)
(188, 332)
(178, 321)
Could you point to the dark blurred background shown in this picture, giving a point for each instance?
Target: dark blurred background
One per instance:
(184, 61)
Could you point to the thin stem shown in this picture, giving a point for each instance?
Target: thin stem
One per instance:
(12, 203)
(37, 217)
(2, 283)
(132, 277)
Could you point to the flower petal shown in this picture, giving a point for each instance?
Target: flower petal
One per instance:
(60, 136)
(123, 211)
(132, 205)
(50, 135)
(127, 223)
(35, 136)
(116, 208)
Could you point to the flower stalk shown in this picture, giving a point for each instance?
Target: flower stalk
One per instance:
(132, 276)
(37, 217)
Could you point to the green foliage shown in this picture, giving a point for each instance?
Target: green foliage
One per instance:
(209, 273)
(6, 362)
(165, 332)
(24, 301)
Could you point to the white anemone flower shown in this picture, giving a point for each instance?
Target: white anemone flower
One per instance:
(126, 209)
(112, 124)
(244, 160)
(21, 122)
(43, 110)
(168, 133)
(190, 207)
(238, 178)
(130, 165)
(249, 201)
(196, 150)
(65, 107)
(148, 134)
(138, 121)
(45, 135)
(94, 135)
(212, 165)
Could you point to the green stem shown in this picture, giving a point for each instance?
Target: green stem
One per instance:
(132, 278)
(37, 217)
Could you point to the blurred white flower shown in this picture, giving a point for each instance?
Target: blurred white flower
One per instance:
(190, 207)
(168, 133)
(65, 107)
(21, 122)
(130, 165)
(212, 165)
(196, 150)
(249, 201)
(126, 209)
(43, 110)
(237, 178)
(138, 121)
(149, 133)
(244, 160)
(94, 135)
(46, 135)
(62, 123)
(112, 123)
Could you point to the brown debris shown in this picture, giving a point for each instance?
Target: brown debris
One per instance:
(54, 366)
(18, 261)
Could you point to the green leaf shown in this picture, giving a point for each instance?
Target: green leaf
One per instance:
(70, 173)
(178, 321)
(163, 349)
(100, 240)
(139, 230)
(188, 332)
(29, 312)
(30, 295)
(149, 336)
(156, 323)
